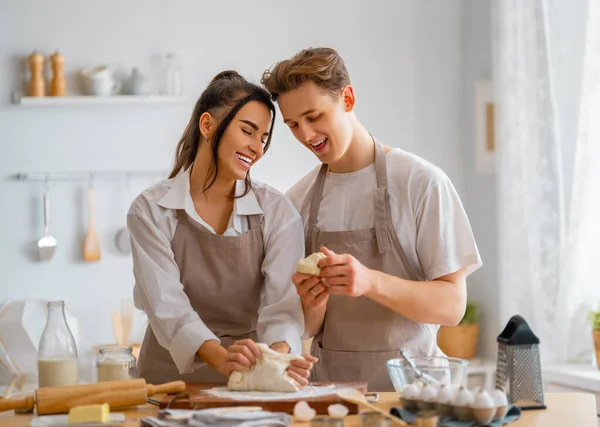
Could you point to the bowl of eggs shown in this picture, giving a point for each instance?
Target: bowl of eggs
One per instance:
(443, 370)
(456, 401)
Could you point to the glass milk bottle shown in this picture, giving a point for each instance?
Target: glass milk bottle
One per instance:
(57, 354)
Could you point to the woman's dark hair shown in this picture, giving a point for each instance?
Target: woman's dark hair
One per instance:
(224, 96)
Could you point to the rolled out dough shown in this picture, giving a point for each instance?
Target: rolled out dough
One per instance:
(268, 374)
(310, 264)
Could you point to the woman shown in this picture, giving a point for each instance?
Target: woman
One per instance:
(213, 251)
(398, 241)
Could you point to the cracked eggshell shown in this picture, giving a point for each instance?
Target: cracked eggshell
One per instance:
(337, 410)
(303, 412)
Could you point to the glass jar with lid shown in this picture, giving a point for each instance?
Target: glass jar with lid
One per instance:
(115, 363)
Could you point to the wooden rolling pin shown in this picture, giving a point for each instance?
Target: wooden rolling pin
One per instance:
(118, 394)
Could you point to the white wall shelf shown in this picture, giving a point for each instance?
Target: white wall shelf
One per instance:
(112, 100)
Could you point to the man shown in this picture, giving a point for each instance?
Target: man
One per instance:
(398, 242)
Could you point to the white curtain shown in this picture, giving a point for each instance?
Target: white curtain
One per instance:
(546, 89)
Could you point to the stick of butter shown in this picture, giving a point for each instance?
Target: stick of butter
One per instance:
(89, 413)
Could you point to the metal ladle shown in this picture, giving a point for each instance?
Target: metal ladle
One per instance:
(47, 244)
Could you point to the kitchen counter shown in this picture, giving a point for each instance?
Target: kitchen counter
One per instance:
(564, 410)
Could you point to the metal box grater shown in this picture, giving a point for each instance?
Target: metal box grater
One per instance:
(518, 369)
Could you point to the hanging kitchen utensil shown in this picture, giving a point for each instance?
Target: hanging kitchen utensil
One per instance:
(122, 241)
(518, 370)
(91, 245)
(47, 244)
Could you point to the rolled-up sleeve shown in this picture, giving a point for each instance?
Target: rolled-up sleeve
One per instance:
(160, 294)
(281, 317)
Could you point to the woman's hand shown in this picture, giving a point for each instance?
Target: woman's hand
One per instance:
(311, 289)
(299, 370)
(240, 356)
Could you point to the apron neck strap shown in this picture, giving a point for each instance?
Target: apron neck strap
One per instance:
(182, 216)
(254, 222)
(382, 207)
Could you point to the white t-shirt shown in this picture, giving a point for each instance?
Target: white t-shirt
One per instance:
(427, 213)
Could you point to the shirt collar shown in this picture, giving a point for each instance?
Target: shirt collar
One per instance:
(178, 197)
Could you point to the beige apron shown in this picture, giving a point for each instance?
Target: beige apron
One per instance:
(360, 335)
(221, 275)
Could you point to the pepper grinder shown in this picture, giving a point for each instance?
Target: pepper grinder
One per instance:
(37, 85)
(58, 85)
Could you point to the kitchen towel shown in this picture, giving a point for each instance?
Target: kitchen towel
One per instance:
(513, 414)
(221, 417)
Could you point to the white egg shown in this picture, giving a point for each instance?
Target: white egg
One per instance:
(483, 400)
(464, 397)
(500, 398)
(411, 391)
(446, 394)
(337, 410)
(303, 412)
(429, 393)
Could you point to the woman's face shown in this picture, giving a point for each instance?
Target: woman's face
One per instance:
(318, 120)
(242, 142)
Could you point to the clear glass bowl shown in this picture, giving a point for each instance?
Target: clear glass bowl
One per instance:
(447, 370)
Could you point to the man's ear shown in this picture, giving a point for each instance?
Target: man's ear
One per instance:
(348, 98)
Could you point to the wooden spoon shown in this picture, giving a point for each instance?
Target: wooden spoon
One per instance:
(91, 246)
(352, 395)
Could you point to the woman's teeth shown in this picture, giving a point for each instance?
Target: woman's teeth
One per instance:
(246, 161)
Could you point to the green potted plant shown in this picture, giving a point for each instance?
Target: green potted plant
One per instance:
(595, 321)
(461, 340)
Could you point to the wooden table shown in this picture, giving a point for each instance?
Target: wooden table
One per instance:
(564, 410)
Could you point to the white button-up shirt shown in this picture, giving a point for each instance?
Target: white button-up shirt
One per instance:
(152, 220)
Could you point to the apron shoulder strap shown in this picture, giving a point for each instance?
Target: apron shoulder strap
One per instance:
(383, 218)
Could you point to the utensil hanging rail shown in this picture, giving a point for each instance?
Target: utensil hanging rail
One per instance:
(87, 175)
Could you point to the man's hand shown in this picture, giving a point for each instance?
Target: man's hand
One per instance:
(345, 275)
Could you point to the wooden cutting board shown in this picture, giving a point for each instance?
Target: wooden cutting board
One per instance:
(196, 399)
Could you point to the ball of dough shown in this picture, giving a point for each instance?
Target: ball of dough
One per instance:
(268, 374)
(310, 264)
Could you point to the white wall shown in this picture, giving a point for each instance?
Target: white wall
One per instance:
(480, 189)
(405, 60)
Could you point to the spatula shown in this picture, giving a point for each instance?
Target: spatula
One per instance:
(91, 245)
(353, 395)
(47, 244)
